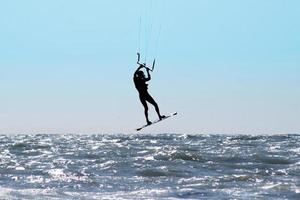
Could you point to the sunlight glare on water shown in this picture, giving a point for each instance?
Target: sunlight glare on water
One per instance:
(166, 166)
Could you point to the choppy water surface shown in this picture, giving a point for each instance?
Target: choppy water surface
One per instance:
(149, 167)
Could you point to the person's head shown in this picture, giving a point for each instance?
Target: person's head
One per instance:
(140, 74)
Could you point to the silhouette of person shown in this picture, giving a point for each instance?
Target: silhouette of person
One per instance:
(142, 87)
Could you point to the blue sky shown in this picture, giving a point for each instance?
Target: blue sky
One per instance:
(224, 66)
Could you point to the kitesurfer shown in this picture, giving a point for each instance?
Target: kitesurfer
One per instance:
(140, 80)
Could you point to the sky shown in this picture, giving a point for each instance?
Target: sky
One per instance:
(226, 67)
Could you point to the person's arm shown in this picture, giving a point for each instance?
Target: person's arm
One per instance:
(148, 73)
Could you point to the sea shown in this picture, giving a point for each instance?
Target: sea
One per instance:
(149, 166)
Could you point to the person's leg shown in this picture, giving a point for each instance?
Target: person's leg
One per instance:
(152, 101)
(143, 101)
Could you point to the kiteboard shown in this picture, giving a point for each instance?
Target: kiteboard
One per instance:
(156, 121)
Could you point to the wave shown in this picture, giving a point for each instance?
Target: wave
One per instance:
(175, 166)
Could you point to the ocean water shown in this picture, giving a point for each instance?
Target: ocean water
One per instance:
(148, 166)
